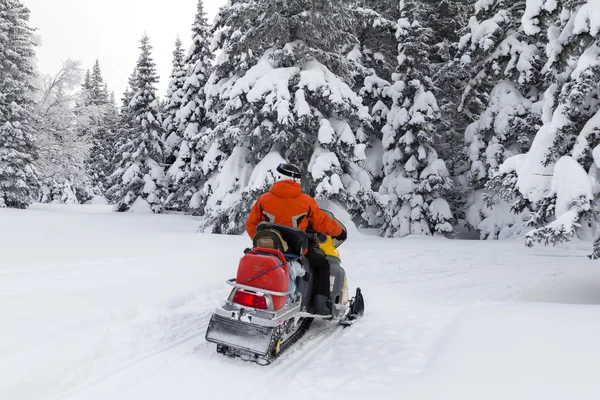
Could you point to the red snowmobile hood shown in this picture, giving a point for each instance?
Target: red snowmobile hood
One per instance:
(287, 189)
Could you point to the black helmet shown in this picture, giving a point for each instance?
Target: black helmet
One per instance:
(289, 170)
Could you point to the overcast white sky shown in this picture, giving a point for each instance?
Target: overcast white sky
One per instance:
(109, 30)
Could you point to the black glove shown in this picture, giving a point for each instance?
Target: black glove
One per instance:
(342, 236)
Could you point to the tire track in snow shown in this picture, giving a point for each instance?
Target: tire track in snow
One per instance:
(298, 358)
(200, 331)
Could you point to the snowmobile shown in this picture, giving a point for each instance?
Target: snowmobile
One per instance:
(269, 307)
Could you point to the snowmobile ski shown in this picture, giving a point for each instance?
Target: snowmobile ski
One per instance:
(357, 309)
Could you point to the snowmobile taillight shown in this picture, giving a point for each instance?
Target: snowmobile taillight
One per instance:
(250, 300)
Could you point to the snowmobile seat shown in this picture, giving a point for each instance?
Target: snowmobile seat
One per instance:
(296, 239)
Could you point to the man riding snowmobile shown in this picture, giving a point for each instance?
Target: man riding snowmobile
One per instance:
(272, 303)
(285, 204)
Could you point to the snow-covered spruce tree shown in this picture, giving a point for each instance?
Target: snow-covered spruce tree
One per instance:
(571, 107)
(502, 99)
(97, 86)
(415, 178)
(18, 182)
(62, 152)
(123, 130)
(186, 175)
(503, 130)
(99, 126)
(504, 65)
(173, 100)
(141, 183)
(282, 84)
(82, 106)
(376, 55)
(572, 200)
(376, 50)
(448, 21)
(112, 121)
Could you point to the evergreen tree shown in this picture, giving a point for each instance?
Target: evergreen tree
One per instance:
(97, 87)
(376, 55)
(17, 147)
(415, 178)
(83, 107)
(173, 104)
(123, 132)
(449, 22)
(504, 64)
(100, 117)
(186, 175)
(500, 101)
(141, 173)
(87, 86)
(570, 199)
(282, 84)
(571, 121)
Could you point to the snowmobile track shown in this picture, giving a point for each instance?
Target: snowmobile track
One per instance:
(317, 340)
(199, 333)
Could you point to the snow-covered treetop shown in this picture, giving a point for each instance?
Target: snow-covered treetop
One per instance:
(146, 77)
(144, 103)
(249, 28)
(98, 87)
(174, 91)
(200, 49)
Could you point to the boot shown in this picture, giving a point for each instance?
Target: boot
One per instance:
(319, 305)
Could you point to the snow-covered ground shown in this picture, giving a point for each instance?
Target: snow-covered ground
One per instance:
(96, 305)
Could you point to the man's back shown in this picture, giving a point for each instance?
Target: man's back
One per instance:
(285, 204)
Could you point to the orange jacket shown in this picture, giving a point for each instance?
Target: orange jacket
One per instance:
(285, 204)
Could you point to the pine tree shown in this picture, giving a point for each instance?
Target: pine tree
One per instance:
(571, 120)
(283, 85)
(99, 92)
(87, 86)
(186, 175)
(570, 199)
(112, 120)
(376, 55)
(141, 182)
(173, 104)
(123, 124)
(415, 178)
(449, 22)
(576, 100)
(376, 52)
(503, 64)
(83, 107)
(18, 182)
(98, 109)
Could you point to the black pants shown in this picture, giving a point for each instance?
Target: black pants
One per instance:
(320, 267)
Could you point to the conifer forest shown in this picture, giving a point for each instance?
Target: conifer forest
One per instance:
(462, 118)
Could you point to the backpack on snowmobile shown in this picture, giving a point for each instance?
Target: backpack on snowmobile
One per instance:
(270, 239)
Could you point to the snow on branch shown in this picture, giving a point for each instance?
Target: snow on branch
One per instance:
(572, 189)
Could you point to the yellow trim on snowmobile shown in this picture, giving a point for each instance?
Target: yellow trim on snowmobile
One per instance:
(329, 248)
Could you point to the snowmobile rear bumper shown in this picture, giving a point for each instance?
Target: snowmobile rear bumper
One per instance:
(248, 337)
(247, 329)
(267, 318)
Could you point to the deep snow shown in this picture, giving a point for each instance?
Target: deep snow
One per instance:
(96, 305)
